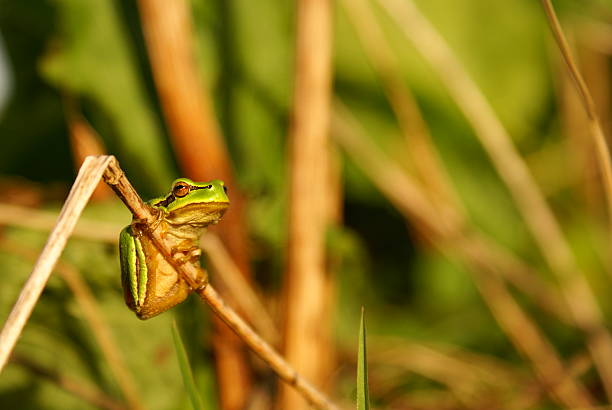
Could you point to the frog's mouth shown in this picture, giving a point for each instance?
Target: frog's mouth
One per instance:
(198, 213)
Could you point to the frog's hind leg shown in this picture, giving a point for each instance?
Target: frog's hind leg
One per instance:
(157, 305)
(131, 257)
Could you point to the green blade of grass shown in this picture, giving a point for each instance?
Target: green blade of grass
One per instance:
(181, 354)
(363, 397)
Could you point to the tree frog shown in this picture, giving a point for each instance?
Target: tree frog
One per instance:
(151, 285)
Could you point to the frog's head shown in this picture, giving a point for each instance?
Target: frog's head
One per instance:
(194, 203)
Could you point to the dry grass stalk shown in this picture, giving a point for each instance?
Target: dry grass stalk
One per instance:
(86, 182)
(195, 135)
(89, 393)
(115, 177)
(407, 197)
(94, 318)
(511, 167)
(595, 128)
(307, 324)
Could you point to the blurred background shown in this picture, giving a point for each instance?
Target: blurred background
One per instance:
(431, 162)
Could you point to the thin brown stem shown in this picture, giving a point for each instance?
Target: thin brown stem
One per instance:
(115, 177)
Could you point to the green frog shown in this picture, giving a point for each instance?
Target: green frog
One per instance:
(151, 285)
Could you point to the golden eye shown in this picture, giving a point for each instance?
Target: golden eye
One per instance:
(180, 190)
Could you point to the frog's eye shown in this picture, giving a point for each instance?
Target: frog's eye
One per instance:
(225, 189)
(180, 190)
(208, 187)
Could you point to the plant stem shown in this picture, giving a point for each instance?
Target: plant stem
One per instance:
(115, 177)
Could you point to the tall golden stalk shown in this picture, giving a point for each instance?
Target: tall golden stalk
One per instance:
(306, 290)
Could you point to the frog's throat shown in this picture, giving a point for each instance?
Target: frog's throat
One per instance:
(198, 215)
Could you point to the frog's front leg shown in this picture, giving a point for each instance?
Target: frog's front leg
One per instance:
(185, 252)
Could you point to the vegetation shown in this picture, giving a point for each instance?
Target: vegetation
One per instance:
(438, 164)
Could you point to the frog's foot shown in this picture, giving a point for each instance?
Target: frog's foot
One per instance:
(159, 217)
(202, 279)
(140, 225)
(185, 255)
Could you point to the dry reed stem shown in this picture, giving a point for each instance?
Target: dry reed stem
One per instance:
(94, 318)
(89, 393)
(406, 196)
(195, 135)
(595, 128)
(84, 185)
(307, 324)
(115, 177)
(511, 167)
